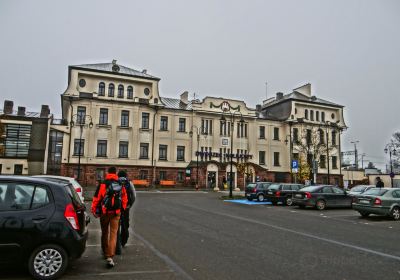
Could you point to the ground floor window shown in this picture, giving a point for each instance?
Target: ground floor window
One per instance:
(163, 175)
(143, 174)
(180, 176)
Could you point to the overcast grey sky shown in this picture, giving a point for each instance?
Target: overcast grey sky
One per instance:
(349, 51)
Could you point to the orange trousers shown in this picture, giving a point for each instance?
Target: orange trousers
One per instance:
(109, 230)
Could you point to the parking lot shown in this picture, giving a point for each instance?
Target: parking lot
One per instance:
(199, 236)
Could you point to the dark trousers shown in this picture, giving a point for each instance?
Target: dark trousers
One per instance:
(123, 231)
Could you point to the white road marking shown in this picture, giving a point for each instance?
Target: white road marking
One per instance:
(309, 235)
(120, 273)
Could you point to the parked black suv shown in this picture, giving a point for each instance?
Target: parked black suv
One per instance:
(257, 190)
(282, 192)
(42, 224)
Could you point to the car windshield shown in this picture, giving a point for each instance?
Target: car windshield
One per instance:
(377, 192)
(358, 189)
(274, 187)
(310, 189)
(251, 186)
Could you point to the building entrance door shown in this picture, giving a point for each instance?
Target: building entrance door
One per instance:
(211, 179)
(18, 169)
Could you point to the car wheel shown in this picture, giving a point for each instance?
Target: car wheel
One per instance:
(395, 213)
(321, 204)
(260, 197)
(364, 214)
(48, 262)
(288, 201)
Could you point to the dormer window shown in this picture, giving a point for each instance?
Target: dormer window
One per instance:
(111, 88)
(102, 89)
(130, 92)
(120, 91)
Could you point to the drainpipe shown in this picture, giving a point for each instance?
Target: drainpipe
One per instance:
(70, 129)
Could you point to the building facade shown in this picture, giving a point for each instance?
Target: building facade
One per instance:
(115, 116)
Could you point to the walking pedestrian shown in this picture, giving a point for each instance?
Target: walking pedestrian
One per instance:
(107, 204)
(123, 229)
(379, 182)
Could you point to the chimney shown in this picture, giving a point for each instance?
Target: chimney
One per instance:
(258, 108)
(21, 111)
(144, 71)
(8, 107)
(279, 95)
(45, 112)
(185, 97)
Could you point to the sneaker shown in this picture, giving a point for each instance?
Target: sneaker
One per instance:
(110, 262)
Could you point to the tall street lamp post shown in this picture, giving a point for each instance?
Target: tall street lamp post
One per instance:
(290, 148)
(391, 149)
(81, 121)
(223, 121)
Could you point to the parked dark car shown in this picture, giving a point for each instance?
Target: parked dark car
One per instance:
(321, 197)
(379, 201)
(42, 225)
(257, 190)
(282, 192)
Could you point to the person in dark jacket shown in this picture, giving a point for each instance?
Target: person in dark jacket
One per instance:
(123, 229)
(379, 183)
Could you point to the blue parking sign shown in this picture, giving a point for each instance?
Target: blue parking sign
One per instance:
(295, 164)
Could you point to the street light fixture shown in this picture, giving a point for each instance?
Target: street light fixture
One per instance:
(81, 121)
(223, 121)
(391, 149)
(197, 152)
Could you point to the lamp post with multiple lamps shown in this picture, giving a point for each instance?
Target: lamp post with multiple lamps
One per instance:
(82, 121)
(232, 120)
(197, 152)
(391, 149)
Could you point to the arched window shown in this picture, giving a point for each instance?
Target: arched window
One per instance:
(111, 88)
(306, 114)
(323, 116)
(130, 92)
(311, 115)
(102, 89)
(317, 116)
(120, 91)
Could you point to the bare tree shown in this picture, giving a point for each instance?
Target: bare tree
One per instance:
(396, 143)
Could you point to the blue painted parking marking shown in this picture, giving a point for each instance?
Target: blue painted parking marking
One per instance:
(247, 202)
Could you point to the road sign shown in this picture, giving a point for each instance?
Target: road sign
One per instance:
(295, 170)
(391, 175)
(295, 164)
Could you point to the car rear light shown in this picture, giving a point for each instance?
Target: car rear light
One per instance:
(278, 193)
(71, 216)
(308, 195)
(254, 190)
(78, 189)
(377, 201)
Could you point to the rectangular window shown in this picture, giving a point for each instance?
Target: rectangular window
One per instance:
(145, 120)
(125, 118)
(162, 152)
(78, 147)
(180, 176)
(295, 135)
(334, 162)
(143, 174)
(180, 153)
(308, 137)
(80, 115)
(182, 125)
(163, 175)
(206, 127)
(123, 149)
(322, 161)
(321, 137)
(164, 123)
(276, 159)
(101, 148)
(144, 151)
(103, 116)
(276, 133)
(262, 132)
(17, 140)
(261, 157)
(333, 138)
(245, 130)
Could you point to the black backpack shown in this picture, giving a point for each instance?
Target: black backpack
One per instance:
(129, 191)
(112, 200)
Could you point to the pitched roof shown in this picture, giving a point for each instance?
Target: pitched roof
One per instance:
(301, 97)
(174, 103)
(108, 67)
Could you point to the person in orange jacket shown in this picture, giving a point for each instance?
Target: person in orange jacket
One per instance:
(107, 203)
